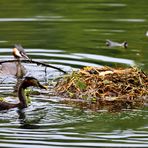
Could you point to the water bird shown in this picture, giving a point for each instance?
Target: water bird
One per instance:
(19, 52)
(110, 43)
(146, 33)
(16, 68)
(28, 81)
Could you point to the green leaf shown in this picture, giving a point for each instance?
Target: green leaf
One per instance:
(81, 85)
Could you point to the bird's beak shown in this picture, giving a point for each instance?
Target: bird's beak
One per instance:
(43, 86)
(25, 56)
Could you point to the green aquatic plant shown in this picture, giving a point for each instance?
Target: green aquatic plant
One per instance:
(106, 87)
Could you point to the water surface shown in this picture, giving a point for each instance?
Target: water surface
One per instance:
(71, 34)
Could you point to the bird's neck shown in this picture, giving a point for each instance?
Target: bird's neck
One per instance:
(19, 69)
(22, 98)
(17, 59)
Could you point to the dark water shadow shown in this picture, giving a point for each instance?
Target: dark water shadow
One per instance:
(25, 123)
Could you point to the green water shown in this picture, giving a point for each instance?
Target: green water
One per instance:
(72, 34)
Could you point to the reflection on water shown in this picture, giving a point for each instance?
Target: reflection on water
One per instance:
(57, 125)
(47, 123)
(70, 35)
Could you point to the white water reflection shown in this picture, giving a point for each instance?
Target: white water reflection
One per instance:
(129, 20)
(69, 58)
(106, 58)
(72, 62)
(114, 4)
(67, 20)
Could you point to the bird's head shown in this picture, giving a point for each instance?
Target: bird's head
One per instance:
(18, 52)
(31, 81)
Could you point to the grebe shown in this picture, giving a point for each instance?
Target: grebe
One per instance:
(16, 69)
(28, 81)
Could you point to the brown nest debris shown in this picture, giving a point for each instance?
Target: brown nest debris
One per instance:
(104, 88)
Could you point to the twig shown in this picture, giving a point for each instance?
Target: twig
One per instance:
(35, 62)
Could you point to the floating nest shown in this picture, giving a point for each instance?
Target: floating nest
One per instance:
(104, 88)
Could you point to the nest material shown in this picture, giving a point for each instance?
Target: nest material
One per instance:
(104, 88)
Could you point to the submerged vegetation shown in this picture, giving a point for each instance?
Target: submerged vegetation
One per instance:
(104, 88)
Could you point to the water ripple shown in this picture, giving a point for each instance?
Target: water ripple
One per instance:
(106, 58)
